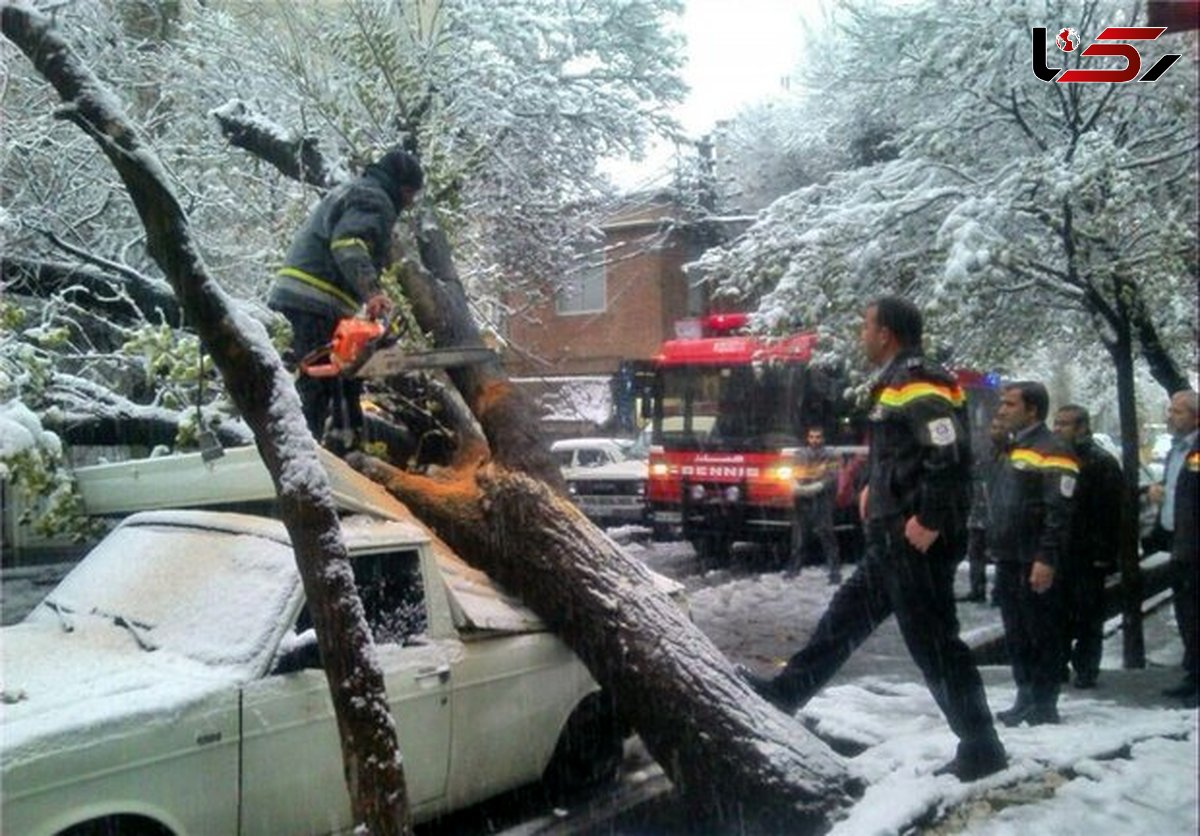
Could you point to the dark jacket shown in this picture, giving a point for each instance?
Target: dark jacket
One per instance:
(920, 447)
(1184, 545)
(335, 259)
(1096, 519)
(1031, 501)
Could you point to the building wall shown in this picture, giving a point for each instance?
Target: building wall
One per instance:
(646, 294)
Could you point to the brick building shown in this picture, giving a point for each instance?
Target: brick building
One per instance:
(577, 346)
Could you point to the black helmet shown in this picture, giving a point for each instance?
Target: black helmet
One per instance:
(398, 170)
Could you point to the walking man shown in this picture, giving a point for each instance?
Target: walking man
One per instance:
(331, 270)
(1028, 535)
(915, 512)
(1091, 557)
(814, 493)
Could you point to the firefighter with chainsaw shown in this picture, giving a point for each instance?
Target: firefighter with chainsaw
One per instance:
(331, 273)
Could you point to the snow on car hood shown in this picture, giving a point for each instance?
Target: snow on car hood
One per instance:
(92, 682)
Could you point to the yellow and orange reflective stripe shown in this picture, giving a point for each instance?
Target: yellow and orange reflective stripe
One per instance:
(896, 396)
(1032, 458)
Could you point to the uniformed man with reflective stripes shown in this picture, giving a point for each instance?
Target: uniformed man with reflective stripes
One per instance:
(332, 271)
(1028, 534)
(915, 511)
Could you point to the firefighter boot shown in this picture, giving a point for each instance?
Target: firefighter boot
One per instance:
(976, 759)
(1016, 715)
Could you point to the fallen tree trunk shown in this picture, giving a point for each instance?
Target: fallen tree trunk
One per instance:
(125, 298)
(264, 393)
(732, 756)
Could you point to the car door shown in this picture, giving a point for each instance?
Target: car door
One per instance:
(292, 780)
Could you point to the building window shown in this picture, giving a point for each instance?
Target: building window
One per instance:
(583, 290)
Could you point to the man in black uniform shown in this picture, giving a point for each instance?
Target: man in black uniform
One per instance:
(1092, 555)
(1183, 473)
(332, 269)
(915, 509)
(1028, 535)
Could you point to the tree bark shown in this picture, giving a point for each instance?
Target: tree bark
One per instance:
(264, 393)
(1121, 351)
(732, 757)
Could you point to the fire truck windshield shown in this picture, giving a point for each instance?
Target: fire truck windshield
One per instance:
(740, 407)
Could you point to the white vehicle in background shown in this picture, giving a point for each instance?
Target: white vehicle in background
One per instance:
(606, 477)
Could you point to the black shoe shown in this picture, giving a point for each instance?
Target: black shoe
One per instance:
(975, 761)
(1042, 714)
(1187, 688)
(1085, 680)
(974, 597)
(1016, 715)
(767, 687)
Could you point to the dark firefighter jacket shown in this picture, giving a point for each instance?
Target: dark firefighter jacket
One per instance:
(1032, 497)
(1187, 495)
(1096, 520)
(920, 451)
(335, 259)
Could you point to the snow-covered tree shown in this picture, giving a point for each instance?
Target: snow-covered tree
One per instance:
(1019, 213)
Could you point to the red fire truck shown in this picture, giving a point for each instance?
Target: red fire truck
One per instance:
(729, 412)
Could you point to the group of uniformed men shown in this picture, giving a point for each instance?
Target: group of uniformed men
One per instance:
(915, 509)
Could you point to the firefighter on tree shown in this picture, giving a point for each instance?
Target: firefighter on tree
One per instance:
(332, 271)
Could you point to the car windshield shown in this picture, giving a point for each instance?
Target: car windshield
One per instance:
(214, 596)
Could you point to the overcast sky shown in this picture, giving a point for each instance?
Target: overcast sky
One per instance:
(737, 53)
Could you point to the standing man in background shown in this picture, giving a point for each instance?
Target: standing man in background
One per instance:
(1027, 533)
(1177, 517)
(814, 493)
(1095, 528)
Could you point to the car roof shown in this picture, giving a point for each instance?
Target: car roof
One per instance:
(584, 443)
(358, 531)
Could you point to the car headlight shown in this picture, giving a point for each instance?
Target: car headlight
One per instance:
(784, 473)
(733, 493)
(659, 469)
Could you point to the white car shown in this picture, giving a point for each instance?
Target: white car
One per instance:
(606, 477)
(170, 684)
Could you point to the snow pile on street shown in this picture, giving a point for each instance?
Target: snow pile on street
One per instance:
(1108, 768)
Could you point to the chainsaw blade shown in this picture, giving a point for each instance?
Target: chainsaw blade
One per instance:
(394, 360)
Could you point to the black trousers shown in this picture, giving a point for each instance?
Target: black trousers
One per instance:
(814, 517)
(1033, 632)
(335, 400)
(1083, 619)
(1183, 586)
(895, 579)
(977, 560)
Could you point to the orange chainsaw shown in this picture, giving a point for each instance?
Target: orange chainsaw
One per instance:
(365, 348)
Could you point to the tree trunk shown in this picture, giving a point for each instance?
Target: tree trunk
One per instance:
(1121, 351)
(732, 757)
(263, 391)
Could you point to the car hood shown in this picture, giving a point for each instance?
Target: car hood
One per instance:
(629, 469)
(59, 689)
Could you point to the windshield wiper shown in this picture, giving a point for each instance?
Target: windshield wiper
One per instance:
(135, 628)
(61, 612)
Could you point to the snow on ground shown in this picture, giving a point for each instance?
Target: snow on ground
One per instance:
(1124, 761)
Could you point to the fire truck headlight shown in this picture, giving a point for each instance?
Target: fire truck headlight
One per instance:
(697, 492)
(784, 473)
(733, 493)
(659, 469)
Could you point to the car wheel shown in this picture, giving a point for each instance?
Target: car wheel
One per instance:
(118, 826)
(590, 748)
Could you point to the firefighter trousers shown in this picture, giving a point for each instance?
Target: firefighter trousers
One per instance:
(895, 579)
